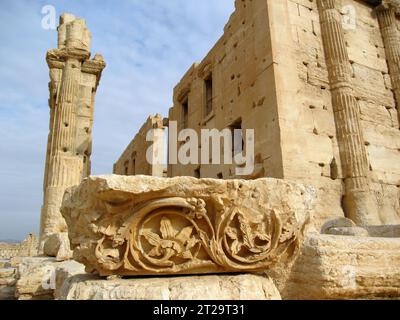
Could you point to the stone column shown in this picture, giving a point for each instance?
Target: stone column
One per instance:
(358, 202)
(386, 13)
(64, 161)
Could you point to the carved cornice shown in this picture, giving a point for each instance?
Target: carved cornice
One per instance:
(204, 69)
(184, 92)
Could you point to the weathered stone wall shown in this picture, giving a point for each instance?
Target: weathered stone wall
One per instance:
(240, 65)
(317, 160)
(133, 160)
(253, 70)
(310, 150)
(342, 267)
(379, 117)
(9, 250)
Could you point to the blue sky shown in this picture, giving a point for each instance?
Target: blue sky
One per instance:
(147, 44)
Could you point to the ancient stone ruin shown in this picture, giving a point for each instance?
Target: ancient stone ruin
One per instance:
(319, 216)
(133, 160)
(74, 80)
(26, 248)
(144, 225)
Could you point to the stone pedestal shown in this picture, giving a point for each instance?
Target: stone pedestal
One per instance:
(345, 267)
(224, 287)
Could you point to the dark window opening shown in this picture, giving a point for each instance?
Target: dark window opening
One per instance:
(185, 113)
(133, 158)
(209, 95)
(133, 167)
(126, 168)
(237, 125)
(197, 173)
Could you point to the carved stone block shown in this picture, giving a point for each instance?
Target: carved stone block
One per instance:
(147, 226)
(209, 287)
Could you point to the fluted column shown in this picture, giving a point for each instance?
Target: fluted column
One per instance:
(64, 163)
(386, 13)
(358, 202)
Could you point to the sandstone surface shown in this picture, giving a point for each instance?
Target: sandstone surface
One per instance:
(147, 225)
(213, 287)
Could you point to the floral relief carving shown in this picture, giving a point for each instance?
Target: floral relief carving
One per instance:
(170, 234)
(171, 242)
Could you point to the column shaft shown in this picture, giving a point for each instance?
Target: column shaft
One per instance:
(358, 202)
(391, 40)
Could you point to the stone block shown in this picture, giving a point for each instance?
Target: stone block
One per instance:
(65, 271)
(147, 225)
(57, 245)
(40, 277)
(222, 287)
(345, 267)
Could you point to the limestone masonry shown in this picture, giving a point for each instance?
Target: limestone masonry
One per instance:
(318, 218)
(133, 161)
(322, 97)
(27, 248)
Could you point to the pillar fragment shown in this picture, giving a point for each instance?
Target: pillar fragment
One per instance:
(74, 80)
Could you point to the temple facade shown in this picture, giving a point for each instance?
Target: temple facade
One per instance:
(318, 82)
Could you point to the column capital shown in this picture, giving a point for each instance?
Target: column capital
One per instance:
(389, 5)
(55, 57)
(327, 4)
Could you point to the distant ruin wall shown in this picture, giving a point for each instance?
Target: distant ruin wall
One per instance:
(27, 248)
(133, 160)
